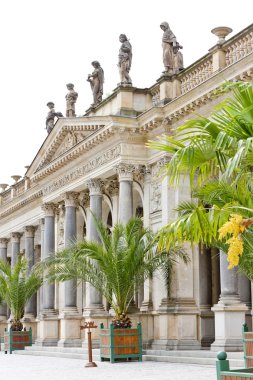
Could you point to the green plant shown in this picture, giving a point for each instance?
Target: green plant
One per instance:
(116, 266)
(17, 287)
(216, 153)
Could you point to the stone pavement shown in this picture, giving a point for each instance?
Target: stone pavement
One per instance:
(19, 367)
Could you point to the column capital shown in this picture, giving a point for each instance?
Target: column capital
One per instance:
(71, 199)
(30, 231)
(3, 242)
(49, 209)
(95, 186)
(15, 237)
(125, 171)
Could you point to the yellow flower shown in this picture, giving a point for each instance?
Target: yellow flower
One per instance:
(232, 226)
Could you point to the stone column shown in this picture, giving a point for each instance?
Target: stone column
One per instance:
(15, 247)
(71, 203)
(30, 308)
(69, 316)
(125, 175)
(48, 248)
(48, 326)
(229, 311)
(94, 298)
(3, 256)
(205, 298)
(147, 303)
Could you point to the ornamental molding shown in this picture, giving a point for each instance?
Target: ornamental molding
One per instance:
(21, 204)
(81, 171)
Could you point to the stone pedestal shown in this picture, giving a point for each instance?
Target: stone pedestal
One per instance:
(228, 327)
(229, 311)
(48, 329)
(176, 327)
(70, 333)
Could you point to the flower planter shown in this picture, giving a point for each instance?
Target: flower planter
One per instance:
(120, 343)
(17, 340)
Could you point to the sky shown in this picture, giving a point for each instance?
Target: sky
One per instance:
(46, 44)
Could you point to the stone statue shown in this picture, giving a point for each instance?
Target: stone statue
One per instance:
(96, 80)
(178, 62)
(51, 116)
(71, 98)
(172, 58)
(125, 60)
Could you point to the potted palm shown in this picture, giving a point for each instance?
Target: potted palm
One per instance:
(16, 288)
(116, 266)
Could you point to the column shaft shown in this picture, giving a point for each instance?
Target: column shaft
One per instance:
(49, 248)
(69, 239)
(3, 256)
(30, 307)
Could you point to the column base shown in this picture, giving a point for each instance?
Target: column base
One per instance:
(70, 332)
(95, 310)
(48, 328)
(146, 307)
(176, 325)
(228, 326)
(3, 326)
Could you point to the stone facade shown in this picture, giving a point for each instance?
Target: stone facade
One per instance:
(100, 163)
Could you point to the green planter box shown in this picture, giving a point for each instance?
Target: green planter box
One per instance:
(118, 344)
(17, 340)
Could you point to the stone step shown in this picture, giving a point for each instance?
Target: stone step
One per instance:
(55, 354)
(234, 363)
(202, 357)
(190, 353)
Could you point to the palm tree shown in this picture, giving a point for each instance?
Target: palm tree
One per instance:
(17, 287)
(217, 154)
(115, 266)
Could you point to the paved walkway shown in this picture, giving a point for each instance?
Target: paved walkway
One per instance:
(20, 367)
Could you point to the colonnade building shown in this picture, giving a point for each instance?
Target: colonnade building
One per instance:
(99, 163)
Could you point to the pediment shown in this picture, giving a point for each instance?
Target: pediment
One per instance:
(60, 142)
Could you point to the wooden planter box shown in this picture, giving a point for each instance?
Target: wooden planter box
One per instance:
(120, 343)
(17, 340)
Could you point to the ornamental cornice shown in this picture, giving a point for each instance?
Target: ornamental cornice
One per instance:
(96, 162)
(75, 152)
(21, 204)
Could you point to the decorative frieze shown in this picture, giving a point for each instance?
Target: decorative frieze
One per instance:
(91, 165)
(84, 199)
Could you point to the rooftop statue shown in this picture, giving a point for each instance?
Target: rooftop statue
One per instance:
(96, 80)
(51, 117)
(172, 57)
(71, 98)
(125, 60)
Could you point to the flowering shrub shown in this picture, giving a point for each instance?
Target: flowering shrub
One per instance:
(235, 227)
